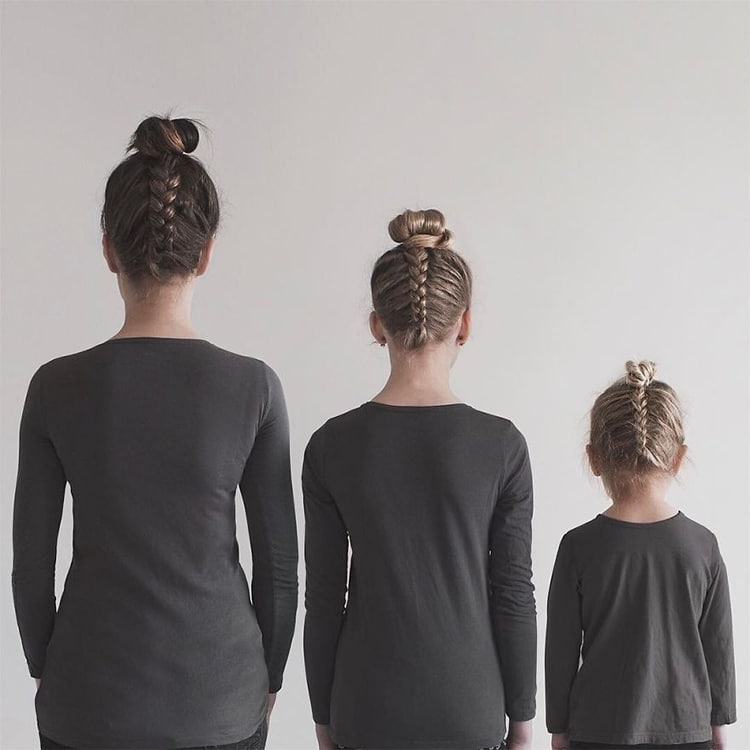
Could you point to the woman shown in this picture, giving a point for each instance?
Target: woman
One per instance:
(437, 640)
(156, 642)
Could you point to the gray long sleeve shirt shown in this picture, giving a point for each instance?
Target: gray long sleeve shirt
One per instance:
(157, 641)
(436, 641)
(639, 634)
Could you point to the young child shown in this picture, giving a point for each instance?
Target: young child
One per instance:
(639, 631)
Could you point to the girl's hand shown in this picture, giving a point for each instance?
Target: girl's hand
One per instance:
(560, 742)
(519, 735)
(38, 681)
(719, 737)
(271, 704)
(324, 738)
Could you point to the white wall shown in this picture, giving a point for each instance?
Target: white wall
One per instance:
(591, 158)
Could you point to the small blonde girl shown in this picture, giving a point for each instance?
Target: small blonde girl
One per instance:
(639, 630)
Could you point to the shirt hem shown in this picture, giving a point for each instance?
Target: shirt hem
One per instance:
(395, 744)
(195, 740)
(635, 738)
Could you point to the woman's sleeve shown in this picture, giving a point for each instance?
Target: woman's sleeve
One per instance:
(326, 558)
(564, 635)
(37, 510)
(715, 628)
(266, 487)
(513, 607)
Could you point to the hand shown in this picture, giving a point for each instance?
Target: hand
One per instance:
(560, 742)
(519, 735)
(719, 737)
(38, 681)
(324, 738)
(271, 704)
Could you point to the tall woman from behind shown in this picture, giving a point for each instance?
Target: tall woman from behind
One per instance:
(157, 641)
(436, 640)
(639, 647)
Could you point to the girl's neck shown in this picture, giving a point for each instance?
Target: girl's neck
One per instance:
(646, 504)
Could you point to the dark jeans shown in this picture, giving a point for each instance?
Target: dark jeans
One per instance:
(256, 741)
(494, 747)
(598, 746)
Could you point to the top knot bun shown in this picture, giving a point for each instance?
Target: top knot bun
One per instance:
(639, 374)
(421, 229)
(160, 136)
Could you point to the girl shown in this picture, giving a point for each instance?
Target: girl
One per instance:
(156, 642)
(437, 639)
(640, 592)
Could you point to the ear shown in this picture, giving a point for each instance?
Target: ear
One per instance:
(208, 249)
(593, 463)
(109, 253)
(677, 461)
(464, 328)
(376, 328)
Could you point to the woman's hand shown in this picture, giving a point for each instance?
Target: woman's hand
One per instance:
(560, 742)
(324, 738)
(38, 681)
(271, 704)
(519, 735)
(719, 737)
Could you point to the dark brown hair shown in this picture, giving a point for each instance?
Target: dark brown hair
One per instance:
(636, 425)
(160, 205)
(421, 287)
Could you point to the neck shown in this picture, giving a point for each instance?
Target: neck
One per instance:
(156, 309)
(643, 503)
(420, 377)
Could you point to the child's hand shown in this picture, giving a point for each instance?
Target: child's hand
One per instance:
(719, 737)
(38, 681)
(324, 738)
(560, 742)
(519, 735)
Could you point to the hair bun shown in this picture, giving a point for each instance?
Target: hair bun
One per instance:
(420, 229)
(160, 136)
(639, 374)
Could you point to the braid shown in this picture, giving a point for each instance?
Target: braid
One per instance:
(417, 259)
(639, 399)
(163, 184)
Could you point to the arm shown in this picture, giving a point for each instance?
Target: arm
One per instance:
(37, 510)
(563, 641)
(512, 604)
(715, 627)
(266, 487)
(326, 556)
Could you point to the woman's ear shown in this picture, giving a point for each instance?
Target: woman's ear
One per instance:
(208, 248)
(464, 329)
(109, 254)
(593, 463)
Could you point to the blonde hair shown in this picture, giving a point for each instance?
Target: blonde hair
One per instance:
(421, 286)
(636, 425)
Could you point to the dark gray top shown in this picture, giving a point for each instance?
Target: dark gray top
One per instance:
(647, 607)
(156, 642)
(437, 639)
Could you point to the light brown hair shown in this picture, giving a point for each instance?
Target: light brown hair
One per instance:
(160, 205)
(421, 287)
(636, 426)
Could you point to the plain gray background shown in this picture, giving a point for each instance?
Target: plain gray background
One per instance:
(591, 158)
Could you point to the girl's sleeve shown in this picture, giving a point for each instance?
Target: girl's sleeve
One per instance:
(715, 628)
(564, 635)
(512, 603)
(266, 487)
(326, 558)
(37, 511)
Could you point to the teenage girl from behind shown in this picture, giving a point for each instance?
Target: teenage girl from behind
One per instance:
(437, 639)
(640, 592)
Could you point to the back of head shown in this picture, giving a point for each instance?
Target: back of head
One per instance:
(421, 286)
(160, 205)
(636, 425)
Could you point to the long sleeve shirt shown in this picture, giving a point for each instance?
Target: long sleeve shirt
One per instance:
(158, 640)
(428, 639)
(639, 634)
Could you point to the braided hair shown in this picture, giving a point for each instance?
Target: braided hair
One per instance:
(421, 287)
(636, 424)
(160, 205)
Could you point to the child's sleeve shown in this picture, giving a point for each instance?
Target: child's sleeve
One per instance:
(716, 635)
(564, 635)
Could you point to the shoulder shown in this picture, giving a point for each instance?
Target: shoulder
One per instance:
(501, 427)
(700, 537)
(581, 533)
(336, 425)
